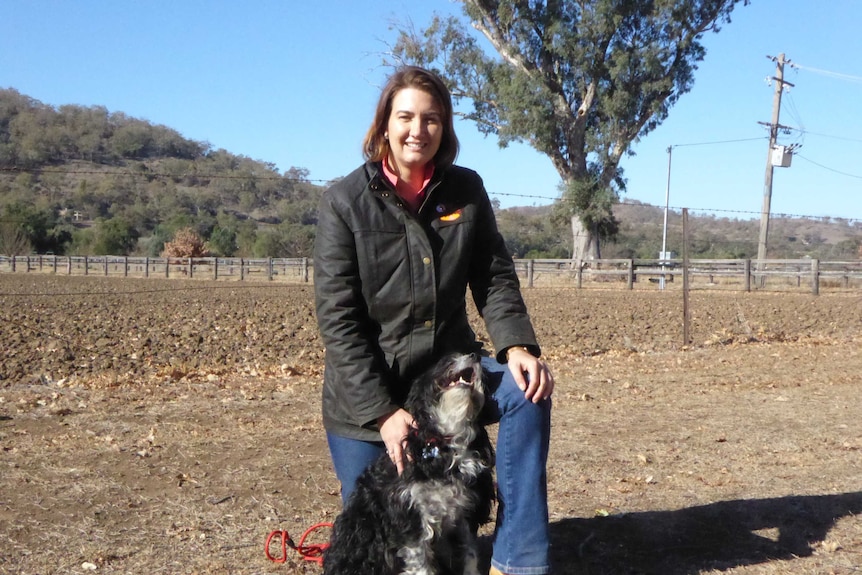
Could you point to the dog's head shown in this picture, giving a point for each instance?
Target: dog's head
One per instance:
(450, 395)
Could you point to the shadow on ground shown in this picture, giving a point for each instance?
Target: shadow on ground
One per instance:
(688, 541)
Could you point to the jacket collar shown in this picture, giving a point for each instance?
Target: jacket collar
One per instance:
(378, 183)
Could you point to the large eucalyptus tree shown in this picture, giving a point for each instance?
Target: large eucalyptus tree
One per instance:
(578, 80)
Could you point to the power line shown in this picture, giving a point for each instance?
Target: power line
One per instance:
(741, 212)
(549, 198)
(845, 138)
(829, 73)
(718, 142)
(858, 177)
(492, 194)
(201, 175)
(673, 146)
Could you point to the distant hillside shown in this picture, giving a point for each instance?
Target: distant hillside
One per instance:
(540, 232)
(78, 179)
(723, 237)
(83, 180)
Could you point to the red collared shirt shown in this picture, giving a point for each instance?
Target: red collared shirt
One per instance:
(414, 200)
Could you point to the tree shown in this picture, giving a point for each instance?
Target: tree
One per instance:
(284, 241)
(529, 233)
(186, 244)
(114, 237)
(33, 226)
(580, 81)
(13, 240)
(222, 241)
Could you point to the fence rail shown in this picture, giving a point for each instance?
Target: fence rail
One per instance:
(285, 269)
(736, 274)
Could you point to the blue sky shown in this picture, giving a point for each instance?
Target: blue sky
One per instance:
(294, 83)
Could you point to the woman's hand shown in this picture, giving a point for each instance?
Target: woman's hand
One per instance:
(531, 374)
(394, 428)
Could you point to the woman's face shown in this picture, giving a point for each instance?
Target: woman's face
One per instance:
(414, 130)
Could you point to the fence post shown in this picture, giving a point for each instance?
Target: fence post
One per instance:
(55, 264)
(106, 266)
(167, 267)
(191, 269)
(86, 265)
(631, 275)
(815, 277)
(304, 270)
(269, 270)
(28, 263)
(748, 275)
(241, 270)
(125, 266)
(215, 268)
(69, 266)
(530, 270)
(686, 309)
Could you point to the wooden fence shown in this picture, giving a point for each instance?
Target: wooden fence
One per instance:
(743, 275)
(285, 269)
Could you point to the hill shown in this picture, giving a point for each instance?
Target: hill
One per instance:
(724, 237)
(541, 232)
(83, 180)
(78, 179)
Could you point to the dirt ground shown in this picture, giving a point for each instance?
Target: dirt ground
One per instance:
(168, 426)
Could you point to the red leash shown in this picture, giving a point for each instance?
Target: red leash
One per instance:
(312, 552)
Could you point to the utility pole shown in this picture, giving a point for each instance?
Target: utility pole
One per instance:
(663, 256)
(773, 137)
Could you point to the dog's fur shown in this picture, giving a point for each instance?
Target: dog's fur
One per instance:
(424, 521)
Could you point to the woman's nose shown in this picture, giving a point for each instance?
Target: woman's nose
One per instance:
(416, 127)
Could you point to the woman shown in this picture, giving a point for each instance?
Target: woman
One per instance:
(399, 240)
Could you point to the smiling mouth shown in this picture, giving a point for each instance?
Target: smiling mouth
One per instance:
(464, 379)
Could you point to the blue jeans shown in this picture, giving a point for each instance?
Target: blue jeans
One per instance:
(521, 532)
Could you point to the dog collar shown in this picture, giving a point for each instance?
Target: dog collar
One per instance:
(430, 451)
(433, 447)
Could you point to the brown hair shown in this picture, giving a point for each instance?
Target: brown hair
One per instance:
(376, 146)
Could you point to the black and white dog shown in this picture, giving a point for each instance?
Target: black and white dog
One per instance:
(424, 521)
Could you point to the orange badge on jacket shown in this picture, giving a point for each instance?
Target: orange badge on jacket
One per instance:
(451, 217)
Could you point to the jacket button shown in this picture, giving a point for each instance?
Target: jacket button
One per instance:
(429, 323)
(426, 260)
